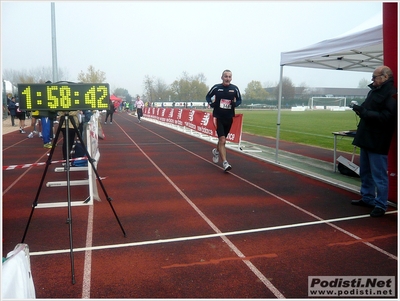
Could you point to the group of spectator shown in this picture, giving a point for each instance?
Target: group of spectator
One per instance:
(43, 126)
(43, 122)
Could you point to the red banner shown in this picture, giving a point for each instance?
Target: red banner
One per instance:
(195, 120)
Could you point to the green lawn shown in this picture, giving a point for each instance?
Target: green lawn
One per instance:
(308, 127)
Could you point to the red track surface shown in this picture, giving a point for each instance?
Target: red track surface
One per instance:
(193, 231)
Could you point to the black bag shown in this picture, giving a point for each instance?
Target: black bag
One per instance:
(78, 152)
(344, 170)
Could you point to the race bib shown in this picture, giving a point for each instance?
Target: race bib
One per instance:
(225, 104)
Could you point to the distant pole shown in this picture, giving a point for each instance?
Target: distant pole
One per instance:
(278, 123)
(54, 43)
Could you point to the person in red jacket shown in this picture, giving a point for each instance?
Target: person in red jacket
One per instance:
(378, 118)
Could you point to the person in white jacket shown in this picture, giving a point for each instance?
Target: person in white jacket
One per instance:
(139, 107)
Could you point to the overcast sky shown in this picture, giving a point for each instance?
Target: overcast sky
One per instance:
(162, 39)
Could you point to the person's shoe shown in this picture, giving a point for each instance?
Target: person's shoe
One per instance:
(40, 135)
(361, 203)
(47, 145)
(377, 212)
(226, 166)
(110, 122)
(215, 155)
(105, 122)
(30, 135)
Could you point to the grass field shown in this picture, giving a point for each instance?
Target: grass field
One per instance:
(308, 127)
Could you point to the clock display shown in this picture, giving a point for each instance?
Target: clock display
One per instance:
(63, 96)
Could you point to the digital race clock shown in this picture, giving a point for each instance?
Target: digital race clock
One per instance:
(63, 96)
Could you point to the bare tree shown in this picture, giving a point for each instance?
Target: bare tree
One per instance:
(35, 75)
(303, 90)
(288, 90)
(363, 83)
(149, 88)
(200, 78)
(160, 90)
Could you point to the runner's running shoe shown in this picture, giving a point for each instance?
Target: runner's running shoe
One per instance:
(226, 166)
(215, 155)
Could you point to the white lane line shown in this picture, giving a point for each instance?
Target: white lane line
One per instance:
(287, 202)
(22, 175)
(322, 220)
(87, 270)
(207, 236)
(256, 272)
(87, 264)
(267, 283)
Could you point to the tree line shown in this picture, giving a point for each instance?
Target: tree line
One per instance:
(187, 88)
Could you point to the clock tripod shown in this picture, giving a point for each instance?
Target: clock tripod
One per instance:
(66, 119)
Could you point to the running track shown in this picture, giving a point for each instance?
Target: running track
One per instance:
(192, 231)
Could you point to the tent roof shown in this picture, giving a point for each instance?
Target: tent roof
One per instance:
(113, 97)
(359, 51)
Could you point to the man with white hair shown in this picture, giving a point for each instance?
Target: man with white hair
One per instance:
(378, 118)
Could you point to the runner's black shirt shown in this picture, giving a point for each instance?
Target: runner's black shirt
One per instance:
(224, 96)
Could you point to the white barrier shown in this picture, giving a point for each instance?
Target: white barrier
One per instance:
(92, 138)
(16, 276)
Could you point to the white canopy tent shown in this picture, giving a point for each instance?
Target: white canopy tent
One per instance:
(357, 51)
(360, 51)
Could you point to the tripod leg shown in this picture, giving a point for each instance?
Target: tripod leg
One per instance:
(69, 219)
(48, 162)
(91, 161)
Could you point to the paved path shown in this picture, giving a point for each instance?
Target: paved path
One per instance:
(7, 128)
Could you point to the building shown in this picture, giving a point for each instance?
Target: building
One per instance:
(305, 93)
(349, 93)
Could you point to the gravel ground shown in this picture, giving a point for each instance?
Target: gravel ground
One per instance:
(7, 128)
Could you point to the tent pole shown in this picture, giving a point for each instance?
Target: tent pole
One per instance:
(278, 123)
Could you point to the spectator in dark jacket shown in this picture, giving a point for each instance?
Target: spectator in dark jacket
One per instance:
(378, 118)
(21, 115)
(110, 111)
(12, 109)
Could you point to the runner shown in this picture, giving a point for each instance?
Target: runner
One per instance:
(223, 98)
